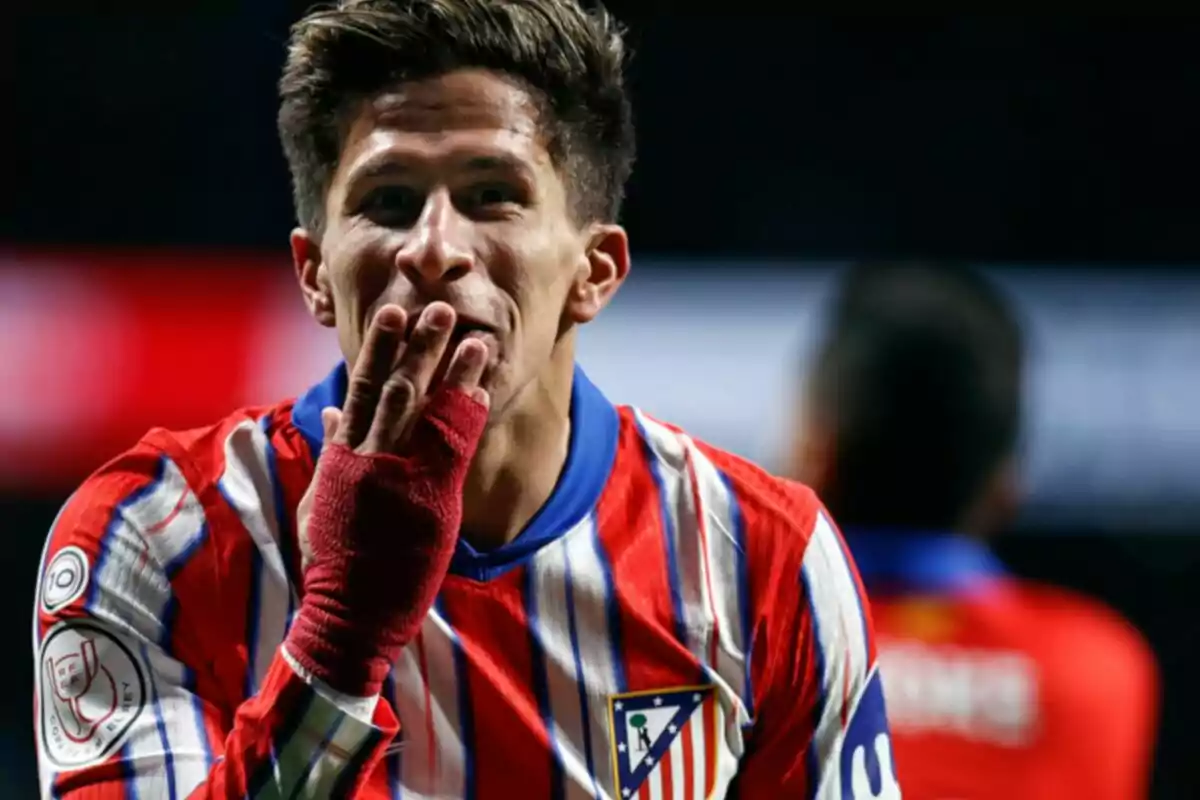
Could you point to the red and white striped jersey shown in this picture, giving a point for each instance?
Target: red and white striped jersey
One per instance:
(674, 623)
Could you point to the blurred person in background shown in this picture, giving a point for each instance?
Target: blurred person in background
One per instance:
(908, 431)
(281, 604)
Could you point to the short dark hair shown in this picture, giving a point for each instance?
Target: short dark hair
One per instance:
(920, 378)
(569, 59)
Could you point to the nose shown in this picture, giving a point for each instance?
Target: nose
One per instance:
(437, 247)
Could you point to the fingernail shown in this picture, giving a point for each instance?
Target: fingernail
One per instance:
(439, 316)
(390, 318)
(328, 421)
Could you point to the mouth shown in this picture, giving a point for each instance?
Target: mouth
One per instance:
(465, 327)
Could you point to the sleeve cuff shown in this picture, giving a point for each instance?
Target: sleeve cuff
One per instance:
(325, 744)
(360, 708)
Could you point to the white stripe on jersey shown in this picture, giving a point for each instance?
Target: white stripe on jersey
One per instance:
(700, 736)
(727, 564)
(247, 486)
(570, 672)
(688, 568)
(129, 588)
(675, 754)
(170, 519)
(599, 652)
(168, 725)
(426, 678)
(841, 640)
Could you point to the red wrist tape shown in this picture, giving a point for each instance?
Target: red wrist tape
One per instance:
(381, 534)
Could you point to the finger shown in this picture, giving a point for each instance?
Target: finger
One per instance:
(408, 382)
(384, 337)
(448, 429)
(466, 370)
(331, 418)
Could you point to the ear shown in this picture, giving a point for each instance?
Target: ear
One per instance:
(812, 456)
(999, 501)
(603, 269)
(313, 277)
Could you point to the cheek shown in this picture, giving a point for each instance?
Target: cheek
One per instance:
(360, 272)
(540, 277)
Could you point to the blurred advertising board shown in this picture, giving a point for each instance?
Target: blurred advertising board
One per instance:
(95, 349)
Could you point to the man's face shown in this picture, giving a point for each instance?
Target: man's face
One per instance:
(446, 191)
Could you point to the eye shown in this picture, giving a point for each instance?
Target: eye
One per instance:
(487, 196)
(392, 205)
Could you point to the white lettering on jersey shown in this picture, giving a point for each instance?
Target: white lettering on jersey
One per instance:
(983, 695)
(866, 769)
(860, 777)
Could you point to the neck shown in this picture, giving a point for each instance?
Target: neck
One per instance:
(521, 456)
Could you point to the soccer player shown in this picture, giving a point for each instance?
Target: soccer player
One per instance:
(996, 687)
(452, 568)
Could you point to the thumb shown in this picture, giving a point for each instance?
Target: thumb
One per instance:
(331, 418)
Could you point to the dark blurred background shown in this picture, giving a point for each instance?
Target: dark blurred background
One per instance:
(144, 275)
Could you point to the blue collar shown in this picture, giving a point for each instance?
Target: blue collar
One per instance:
(914, 561)
(590, 456)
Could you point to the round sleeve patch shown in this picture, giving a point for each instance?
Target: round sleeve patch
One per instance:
(65, 579)
(91, 691)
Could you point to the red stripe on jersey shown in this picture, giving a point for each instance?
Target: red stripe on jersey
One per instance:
(710, 746)
(689, 775)
(631, 531)
(112, 771)
(668, 787)
(493, 631)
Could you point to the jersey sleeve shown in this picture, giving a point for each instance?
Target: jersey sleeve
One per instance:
(821, 728)
(131, 699)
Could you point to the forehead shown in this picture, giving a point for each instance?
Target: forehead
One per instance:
(460, 114)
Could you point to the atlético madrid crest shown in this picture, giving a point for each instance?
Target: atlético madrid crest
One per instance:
(665, 742)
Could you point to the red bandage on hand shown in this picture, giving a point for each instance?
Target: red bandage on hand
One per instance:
(381, 535)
